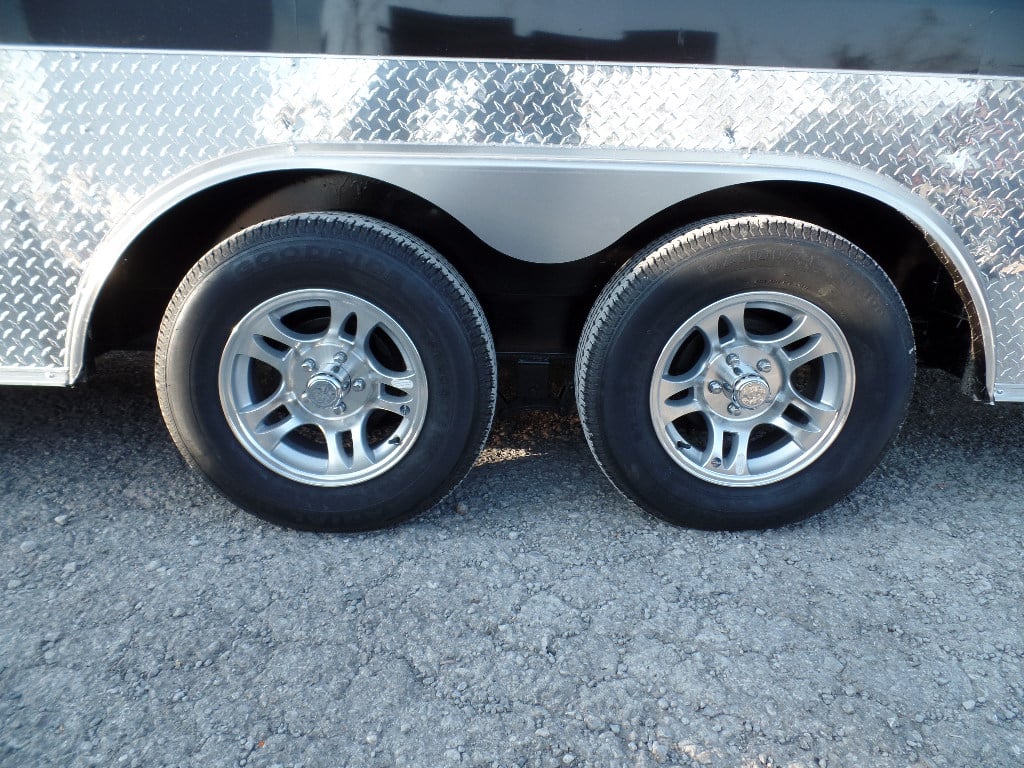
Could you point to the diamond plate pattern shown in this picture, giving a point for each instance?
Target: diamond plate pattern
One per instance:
(86, 135)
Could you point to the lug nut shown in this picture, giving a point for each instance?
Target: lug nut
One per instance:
(715, 387)
(764, 365)
(340, 357)
(309, 364)
(340, 408)
(358, 385)
(734, 409)
(732, 359)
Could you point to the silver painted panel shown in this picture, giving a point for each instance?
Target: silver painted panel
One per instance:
(95, 144)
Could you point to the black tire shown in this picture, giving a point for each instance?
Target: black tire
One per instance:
(334, 255)
(668, 307)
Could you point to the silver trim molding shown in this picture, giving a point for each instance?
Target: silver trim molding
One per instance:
(45, 377)
(1008, 393)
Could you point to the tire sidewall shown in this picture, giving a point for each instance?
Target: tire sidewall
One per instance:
(851, 290)
(363, 265)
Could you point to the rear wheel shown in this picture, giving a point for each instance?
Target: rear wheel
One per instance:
(327, 371)
(744, 373)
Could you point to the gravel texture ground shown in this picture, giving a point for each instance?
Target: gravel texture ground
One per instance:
(535, 618)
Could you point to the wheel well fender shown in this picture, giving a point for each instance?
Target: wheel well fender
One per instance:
(556, 206)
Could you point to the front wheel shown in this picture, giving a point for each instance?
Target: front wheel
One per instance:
(744, 373)
(327, 371)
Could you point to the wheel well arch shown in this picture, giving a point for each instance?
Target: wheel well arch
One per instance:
(155, 261)
(133, 295)
(947, 323)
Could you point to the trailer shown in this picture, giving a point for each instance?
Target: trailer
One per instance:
(730, 231)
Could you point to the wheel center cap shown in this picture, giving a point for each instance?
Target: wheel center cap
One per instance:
(324, 390)
(751, 392)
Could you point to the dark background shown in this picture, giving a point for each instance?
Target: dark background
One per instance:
(945, 36)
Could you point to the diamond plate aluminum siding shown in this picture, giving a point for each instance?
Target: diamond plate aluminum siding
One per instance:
(86, 135)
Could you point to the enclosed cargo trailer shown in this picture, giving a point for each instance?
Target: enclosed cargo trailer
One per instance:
(741, 224)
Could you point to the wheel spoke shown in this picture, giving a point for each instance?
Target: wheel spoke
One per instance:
(257, 348)
(734, 318)
(806, 329)
(337, 461)
(253, 415)
(362, 453)
(387, 402)
(270, 437)
(801, 327)
(804, 435)
(271, 327)
(397, 379)
(670, 410)
(341, 311)
(819, 415)
(816, 346)
(711, 326)
(670, 386)
(736, 462)
(403, 380)
(366, 321)
(713, 451)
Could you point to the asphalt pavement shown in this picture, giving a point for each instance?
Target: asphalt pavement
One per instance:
(535, 618)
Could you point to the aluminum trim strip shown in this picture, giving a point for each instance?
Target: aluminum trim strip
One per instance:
(48, 377)
(1008, 393)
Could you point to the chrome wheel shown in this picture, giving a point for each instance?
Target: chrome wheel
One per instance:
(323, 387)
(752, 389)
